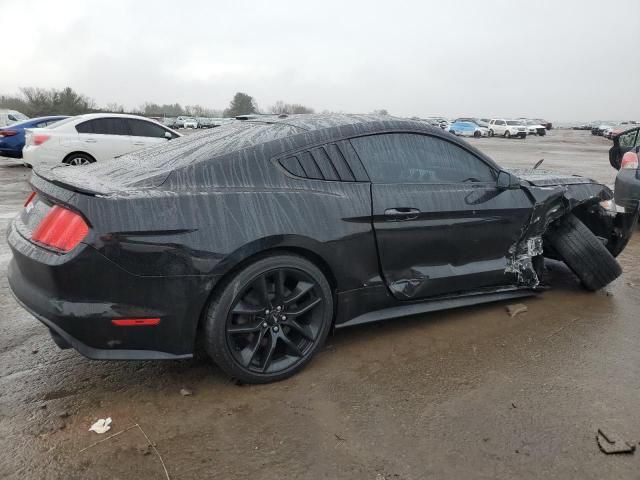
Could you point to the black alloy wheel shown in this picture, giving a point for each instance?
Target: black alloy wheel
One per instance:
(270, 319)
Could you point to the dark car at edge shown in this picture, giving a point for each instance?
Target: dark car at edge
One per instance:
(260, 236)
(623, 156)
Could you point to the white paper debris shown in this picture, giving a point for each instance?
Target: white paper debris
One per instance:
(101, 426)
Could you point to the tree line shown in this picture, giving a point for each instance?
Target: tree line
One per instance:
(38, 102)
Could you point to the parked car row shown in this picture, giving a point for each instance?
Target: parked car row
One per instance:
(607, 129)
(502, 127)
(193, 122)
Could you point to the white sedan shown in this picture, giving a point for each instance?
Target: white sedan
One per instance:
(94, 137)
(190, 123)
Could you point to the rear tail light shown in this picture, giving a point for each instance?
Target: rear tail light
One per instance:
(8, 133)
(629, 160)
(61, 229)
(40, 138)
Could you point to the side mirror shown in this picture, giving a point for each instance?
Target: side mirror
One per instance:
(507, 181)
(168, 135)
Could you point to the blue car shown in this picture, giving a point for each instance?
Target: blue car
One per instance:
(12, 137)
(468, 129)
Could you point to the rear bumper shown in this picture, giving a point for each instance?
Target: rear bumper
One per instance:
(77, 295)
(42, 155)
(627, 188)
(10, 152)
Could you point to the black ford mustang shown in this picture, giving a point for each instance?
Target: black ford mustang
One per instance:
(259, 236)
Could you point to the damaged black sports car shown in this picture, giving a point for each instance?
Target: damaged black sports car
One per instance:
(258, 237)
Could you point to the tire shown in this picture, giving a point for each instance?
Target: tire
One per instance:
(77, 159)
(583, 253)
(257, 335)
(491, 133)
(477, 134)
(507, 134)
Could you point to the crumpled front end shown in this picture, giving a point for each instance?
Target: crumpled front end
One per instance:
(554, 197)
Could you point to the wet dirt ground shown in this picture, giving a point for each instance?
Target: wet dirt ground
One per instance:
(471, 393)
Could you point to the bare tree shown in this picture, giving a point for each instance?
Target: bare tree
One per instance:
(291, 108)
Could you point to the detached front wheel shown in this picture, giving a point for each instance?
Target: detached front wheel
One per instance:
(583, 253)
(269, 319)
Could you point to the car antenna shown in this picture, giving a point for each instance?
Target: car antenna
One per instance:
(538, 163)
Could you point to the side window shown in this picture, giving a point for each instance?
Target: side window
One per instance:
(413, 158)
(333, 162)
(628, 139)
(104, 126)
(140, 128)
(85, 127)
(501, 122)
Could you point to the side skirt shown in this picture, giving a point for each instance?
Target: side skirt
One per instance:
(434, 305)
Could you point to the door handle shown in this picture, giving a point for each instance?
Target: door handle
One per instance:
(90, 140)
(139, 143)
(401, 213)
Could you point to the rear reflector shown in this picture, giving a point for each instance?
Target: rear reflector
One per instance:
(40, 138)
(61, 229)
(8, 133)
(629, 160)
(30, 199)
(135, 322)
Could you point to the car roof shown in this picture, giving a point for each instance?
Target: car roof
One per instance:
(34, 120)
(90, 116)
(270, 135)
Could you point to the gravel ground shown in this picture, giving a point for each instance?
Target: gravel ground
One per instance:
(471, 393)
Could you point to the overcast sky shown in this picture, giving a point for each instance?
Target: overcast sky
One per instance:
(561, 60)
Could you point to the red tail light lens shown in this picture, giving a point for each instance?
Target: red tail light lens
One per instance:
(629, 160)
(135, 322)
(40, 138)
(8, 133)
(61, 229)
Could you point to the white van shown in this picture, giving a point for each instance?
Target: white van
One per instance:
(9, 117)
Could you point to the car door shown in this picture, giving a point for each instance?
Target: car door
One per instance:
(441, 223)
(623, 144)
(145, 134)
(104, 138)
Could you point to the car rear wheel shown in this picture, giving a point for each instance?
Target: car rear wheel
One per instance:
(269, 319)
(76, 159)
(477, 134)
(583, 253)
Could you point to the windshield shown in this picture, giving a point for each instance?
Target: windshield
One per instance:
(514, 122)
(17, 117)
